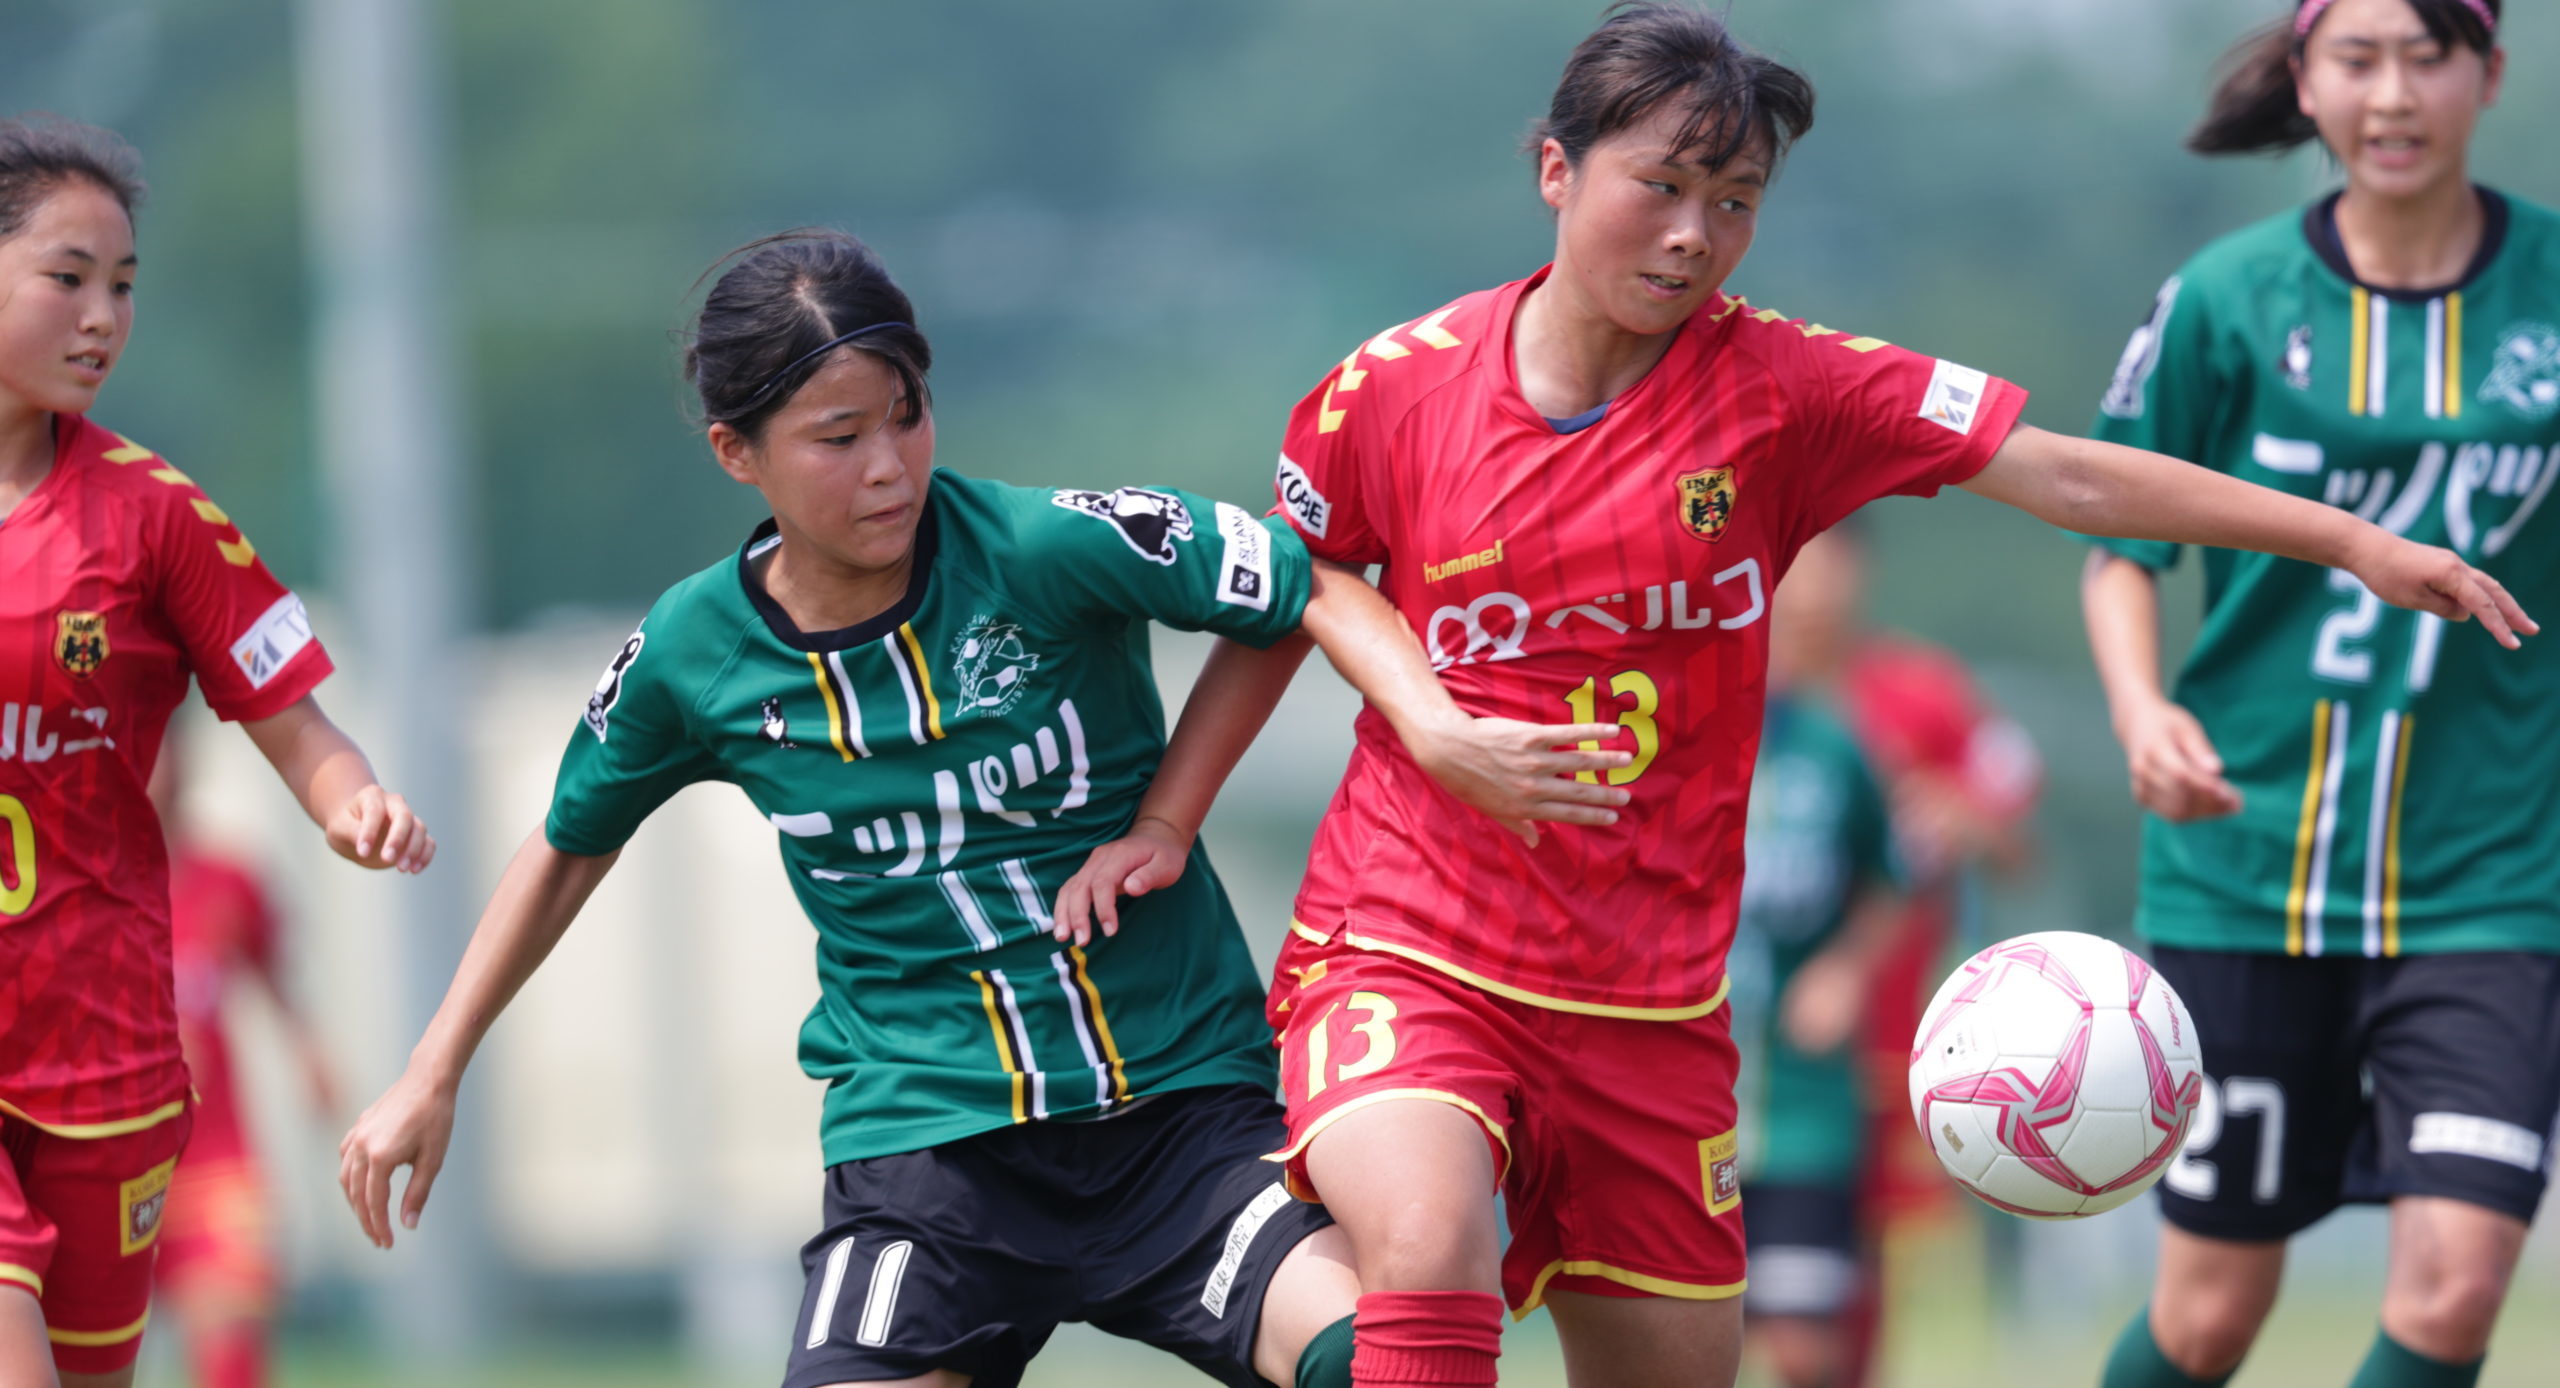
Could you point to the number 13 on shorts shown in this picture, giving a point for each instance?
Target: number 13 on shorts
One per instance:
(1368, 1044)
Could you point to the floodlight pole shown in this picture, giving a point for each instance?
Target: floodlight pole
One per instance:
(386, 388)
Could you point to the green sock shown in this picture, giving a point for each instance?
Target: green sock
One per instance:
(2136, 1362)
(2391, 1364)
(1326, 1361)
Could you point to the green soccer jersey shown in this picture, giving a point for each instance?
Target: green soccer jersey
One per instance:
(1817, 835)
(2401, 775)
(935, 774)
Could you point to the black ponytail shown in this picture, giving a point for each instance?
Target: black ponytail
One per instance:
(779, 301)
(2255, 108)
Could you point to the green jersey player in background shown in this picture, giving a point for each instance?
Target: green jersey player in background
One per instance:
(2352, 874)
(937, 690)
(1822, 911)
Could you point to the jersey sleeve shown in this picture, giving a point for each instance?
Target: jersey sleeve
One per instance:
(1332, 465)
(2161, 399)
(1891, 422)
(1163, 554)
(247, 638)
(632, 750)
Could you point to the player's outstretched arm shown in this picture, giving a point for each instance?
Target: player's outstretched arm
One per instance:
(328, 773)
(1518, 773)
(2106, 489)
(412, 1122)
(2176, 774)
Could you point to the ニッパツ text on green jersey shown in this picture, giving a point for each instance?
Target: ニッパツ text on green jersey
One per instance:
(936, 773)
(2401, 774)
(1816, 838)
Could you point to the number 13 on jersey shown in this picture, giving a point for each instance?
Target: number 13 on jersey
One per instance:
(1636, 717)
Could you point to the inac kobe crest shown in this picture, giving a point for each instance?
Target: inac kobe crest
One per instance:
(1706, 501)
(991, 665)
(80, 642)
(1149, 521)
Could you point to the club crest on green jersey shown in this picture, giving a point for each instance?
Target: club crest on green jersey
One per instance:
(1149, 521)
(2525, 373)
(2297, 357)
(991, 665)
(777, 726)
(600, 704)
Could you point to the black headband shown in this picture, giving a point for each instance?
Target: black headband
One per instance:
(807, 357)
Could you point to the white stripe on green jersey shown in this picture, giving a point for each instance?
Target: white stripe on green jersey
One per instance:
(2401, 777)
(935, 774)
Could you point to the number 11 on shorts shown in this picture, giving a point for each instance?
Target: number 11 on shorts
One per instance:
(1377, 1015)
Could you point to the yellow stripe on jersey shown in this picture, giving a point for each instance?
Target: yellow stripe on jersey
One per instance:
(1644, 1282)
(2293, 901)
(2391, 846)
(24, 1277)
(1101, 1025)
(2452, 360)
(924, 680)
(93, 1339)
(2360, 356)
(1004, 1041)
(835, 708)
(115, 1128)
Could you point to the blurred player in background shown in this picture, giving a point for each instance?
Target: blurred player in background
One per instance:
(217, 1264)
(2352, 874)
(937, 689)
(119, 581)
(1960, 779)
(1821, 917)
(1583, 486)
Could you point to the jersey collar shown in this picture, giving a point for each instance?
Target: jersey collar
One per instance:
(788, 632)
(1506, 363)
(2320, 228)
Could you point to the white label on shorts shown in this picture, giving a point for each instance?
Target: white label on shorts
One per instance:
(1240, 1236)
(2468, 1135)
(887, 1272)
(829, 1288)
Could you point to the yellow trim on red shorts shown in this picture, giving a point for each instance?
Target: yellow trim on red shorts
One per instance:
(117, 1128)
(1659, 1286)
(24, 1277)
(1327, 1119)
(92, 1339)
(1476, 980)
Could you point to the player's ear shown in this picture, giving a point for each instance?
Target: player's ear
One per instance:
(1555, 172)
(735, 452)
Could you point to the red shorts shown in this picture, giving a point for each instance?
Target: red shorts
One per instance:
(1614, 1138)
(79, 1218)
(217, 1235)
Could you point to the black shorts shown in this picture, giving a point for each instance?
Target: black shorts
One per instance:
(1804, 1247)
(1162, 1224)
(2338, 1080)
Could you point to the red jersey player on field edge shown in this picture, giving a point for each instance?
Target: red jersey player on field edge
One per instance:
(119, 581)
(1583, 486)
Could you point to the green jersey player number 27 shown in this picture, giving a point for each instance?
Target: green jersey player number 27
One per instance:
(937, 690)
(2352, 873)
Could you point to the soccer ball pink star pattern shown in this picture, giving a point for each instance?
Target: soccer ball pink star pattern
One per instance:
(2055, 1075)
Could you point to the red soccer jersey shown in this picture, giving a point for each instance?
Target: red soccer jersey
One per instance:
(1620, 572)
(221, 930)
(118, 580)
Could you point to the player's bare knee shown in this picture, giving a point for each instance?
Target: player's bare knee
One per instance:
(2207, 1335)
(2447, 1312)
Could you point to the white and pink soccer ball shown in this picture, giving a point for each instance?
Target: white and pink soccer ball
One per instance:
(2055, 1075)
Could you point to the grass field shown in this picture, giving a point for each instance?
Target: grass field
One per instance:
(1946, 1334)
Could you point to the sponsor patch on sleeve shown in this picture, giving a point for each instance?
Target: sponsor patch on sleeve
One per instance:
(599, 714)
(1244, 572)
(1955, 396)
(272, 641)
(1301, 500)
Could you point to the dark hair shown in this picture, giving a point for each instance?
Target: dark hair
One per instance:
(38, 156)
(2255, 109)
(1646, 55)
(782, 298)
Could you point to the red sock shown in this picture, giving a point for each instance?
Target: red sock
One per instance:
(232, 1356)
(1425, 1338)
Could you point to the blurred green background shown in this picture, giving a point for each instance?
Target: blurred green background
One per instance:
(1137, 230)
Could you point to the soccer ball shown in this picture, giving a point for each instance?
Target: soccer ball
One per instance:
(2055, 1075)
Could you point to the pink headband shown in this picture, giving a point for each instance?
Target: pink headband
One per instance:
(2313, 9)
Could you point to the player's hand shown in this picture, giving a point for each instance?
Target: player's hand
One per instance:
(410, 1125)
(2176, 773)
(377, 829)
(1820, 1011)
(1522, 773)
(2427, 579)
(1150, 857)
